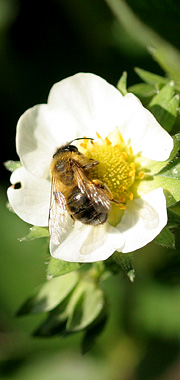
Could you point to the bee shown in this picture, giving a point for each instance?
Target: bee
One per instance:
(74, 196)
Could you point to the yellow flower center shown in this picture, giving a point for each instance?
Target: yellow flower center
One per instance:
(117, 167)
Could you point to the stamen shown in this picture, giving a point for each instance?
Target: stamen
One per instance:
(141, 175)
(84, 145)
(122, 198)
(124, 155)
(122, 207)
(121, 138)
(98, 136)
(131, 173)
(108, 141)
(130, 150)
(131, 196)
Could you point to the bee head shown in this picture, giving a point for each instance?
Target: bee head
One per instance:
(66, 148)
(70, 148)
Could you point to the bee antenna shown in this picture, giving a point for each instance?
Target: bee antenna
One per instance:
(81, 138)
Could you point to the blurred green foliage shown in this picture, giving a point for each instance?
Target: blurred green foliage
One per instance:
(41, 43)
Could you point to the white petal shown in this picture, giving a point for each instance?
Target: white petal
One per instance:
(81, 106)
(143, 220)
(40, 131)
(91, 101)
(31, 201)
(86, 243)
(146, 135)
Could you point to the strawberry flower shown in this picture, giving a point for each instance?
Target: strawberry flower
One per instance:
(131, 147)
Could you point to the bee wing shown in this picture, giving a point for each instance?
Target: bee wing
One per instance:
(97, 195)
(58, 215)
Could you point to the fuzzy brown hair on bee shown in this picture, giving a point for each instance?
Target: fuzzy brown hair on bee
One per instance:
(74, 194)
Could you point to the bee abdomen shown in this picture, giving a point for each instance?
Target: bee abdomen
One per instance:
(82, 209)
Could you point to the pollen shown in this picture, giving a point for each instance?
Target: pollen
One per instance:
(117, 167)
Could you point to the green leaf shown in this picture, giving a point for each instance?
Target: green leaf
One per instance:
(150, 78)
(125, 261)
(12, 165)
(58, 267)
(165, 238)
(169, 59)
(122, 84)
(93, 333)
(164, 106)
(86, 304)
(52, 293)
(9, 207)
(36, 232)
(172, 170)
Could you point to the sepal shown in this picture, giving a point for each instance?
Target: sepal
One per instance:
(85, 305)
(57, 267)
(93, 332)
(12, 165)
(51, 294)
(122, 83)
(125, 261)
(166, 238)
(74, 302)
(143, 91)
(55, 322)
(174, 216)
(35, 232)
(151, 78)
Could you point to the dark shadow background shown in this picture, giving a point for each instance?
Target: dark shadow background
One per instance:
(43, 42)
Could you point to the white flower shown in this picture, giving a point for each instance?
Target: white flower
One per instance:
(86, 105)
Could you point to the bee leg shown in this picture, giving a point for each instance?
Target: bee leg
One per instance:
(102, 185)
(73, 220)
(116, 201)
(91, 164)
